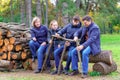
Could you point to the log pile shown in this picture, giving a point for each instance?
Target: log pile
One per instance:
(14, 40)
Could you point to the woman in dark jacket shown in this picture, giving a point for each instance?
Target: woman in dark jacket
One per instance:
(38, 42)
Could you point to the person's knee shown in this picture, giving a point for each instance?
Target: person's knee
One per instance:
(55, 53)
(31, 43)
(85, 54)
(73, 52)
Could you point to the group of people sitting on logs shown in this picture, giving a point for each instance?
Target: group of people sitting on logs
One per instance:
(87, 34)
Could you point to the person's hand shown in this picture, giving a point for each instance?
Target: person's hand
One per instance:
(79, 48)
(67, 43)
(57, 35)
(43, 44)
(34, 39)
(58, 45)
(50, 41)
(75, 38)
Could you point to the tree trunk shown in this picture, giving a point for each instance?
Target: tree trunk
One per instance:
(78, 3)
(46, 17)
(11, 11)
(56, 16)
(87, 7)
(65, 17)
(38, 8)
(22, 11)
(28, 12)
(104, 68)
(43, 11)
(104, 56)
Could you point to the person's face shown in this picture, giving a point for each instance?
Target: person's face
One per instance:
(54, 26)
(86, 23)
(37, 23)
(75, 22)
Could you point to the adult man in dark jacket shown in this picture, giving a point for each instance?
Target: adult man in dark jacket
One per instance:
(69, 31)
(90, 44)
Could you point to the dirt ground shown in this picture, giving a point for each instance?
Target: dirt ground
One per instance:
(22, 74)
(29, 75)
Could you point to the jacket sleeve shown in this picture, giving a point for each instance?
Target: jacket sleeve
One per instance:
(46, 29)
(49, 35)
(78, 33)
(93, 36)
(63, 30)
(32, 33)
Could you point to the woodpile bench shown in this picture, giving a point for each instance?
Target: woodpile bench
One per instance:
(103, 62)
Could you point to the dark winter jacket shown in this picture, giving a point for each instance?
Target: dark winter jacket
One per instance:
(53, 32)
(93, 37)
(40, 33)
(69, 31)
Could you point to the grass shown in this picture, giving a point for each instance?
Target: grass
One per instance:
(111, 42)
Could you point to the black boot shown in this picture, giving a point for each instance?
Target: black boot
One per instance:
(75, 72)
(66, 72)
(84, 75)
(54, 72)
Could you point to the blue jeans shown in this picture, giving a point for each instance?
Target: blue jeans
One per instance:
(53, 48)
(57, 56)
(41, 53)
(34, 45)
(85, 59)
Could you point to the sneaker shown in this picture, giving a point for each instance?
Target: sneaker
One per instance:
(37, 71)
(84, 76)
(54, 72)
(75, 72)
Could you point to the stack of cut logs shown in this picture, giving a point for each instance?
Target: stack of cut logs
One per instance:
(14, 48)
(14, 40)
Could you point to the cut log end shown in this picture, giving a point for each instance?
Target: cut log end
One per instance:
(104, 68)
(28, 64)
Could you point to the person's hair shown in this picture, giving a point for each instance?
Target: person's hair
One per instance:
(34, 20)
(51, 23)
(76, 18)
(87, 18)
